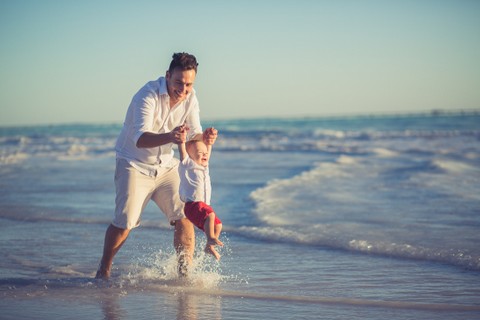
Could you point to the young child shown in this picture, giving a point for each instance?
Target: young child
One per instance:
(195, 189)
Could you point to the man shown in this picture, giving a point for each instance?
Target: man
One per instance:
(156, 119)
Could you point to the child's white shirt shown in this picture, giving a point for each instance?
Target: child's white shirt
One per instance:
(195, 182)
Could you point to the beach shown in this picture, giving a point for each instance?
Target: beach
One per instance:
(362, 217)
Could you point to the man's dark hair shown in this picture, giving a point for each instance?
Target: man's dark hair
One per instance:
(183, 61)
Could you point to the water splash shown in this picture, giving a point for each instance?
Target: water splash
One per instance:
(160, 267)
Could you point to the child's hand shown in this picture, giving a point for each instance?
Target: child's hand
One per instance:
(209, 136)
(179, 134)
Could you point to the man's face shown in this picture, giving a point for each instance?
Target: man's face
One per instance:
(180, 84)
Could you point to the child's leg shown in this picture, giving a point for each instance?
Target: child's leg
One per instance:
(209, 226)
(212, 232)
(217, 229)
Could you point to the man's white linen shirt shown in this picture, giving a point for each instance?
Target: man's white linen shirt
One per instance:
(195, 184)
(150, 111)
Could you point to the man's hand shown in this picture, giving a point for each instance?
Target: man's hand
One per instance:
(209, 136)
(179, 134)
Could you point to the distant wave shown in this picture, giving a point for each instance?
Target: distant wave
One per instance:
(17, 215)
(326, 236)
(357, 136)
(366, 205)
(18, 149)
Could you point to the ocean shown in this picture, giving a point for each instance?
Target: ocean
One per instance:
(361, 217)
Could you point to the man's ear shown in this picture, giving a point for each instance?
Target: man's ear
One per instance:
(167, 74)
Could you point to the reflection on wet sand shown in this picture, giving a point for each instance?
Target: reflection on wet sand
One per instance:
(168, 304)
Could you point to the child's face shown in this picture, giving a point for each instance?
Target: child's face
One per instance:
(197, 151)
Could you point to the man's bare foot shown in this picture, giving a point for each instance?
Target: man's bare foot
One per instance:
(182, 270)
(182, 266)
(102, 273)
(210, 249)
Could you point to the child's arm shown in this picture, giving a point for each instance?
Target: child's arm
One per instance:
(209, 149)
(182, 149)
(209, 138)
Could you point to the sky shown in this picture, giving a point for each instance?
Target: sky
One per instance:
(76, 61)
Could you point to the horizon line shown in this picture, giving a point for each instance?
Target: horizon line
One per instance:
(431, 112)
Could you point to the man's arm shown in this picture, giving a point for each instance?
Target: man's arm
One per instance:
(152, 140)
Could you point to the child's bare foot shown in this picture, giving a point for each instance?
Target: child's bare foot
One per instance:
(210, 249)
(214, 242)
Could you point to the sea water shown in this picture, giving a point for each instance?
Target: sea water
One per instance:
(361, 217)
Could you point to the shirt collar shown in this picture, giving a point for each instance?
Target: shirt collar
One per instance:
(163, 86)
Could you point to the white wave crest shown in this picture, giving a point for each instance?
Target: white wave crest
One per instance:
(455, 166)
(337, 237)
(13, 158)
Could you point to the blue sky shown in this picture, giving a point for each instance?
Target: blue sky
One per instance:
(82, 61)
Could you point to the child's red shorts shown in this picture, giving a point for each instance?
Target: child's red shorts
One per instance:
(197, 213)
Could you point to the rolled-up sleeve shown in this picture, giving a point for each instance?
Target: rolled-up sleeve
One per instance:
(143, 114)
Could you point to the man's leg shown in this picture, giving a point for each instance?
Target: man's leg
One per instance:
(168, 200)
(114, 239)
(184, 242)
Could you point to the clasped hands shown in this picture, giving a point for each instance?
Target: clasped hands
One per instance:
(179, 135)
